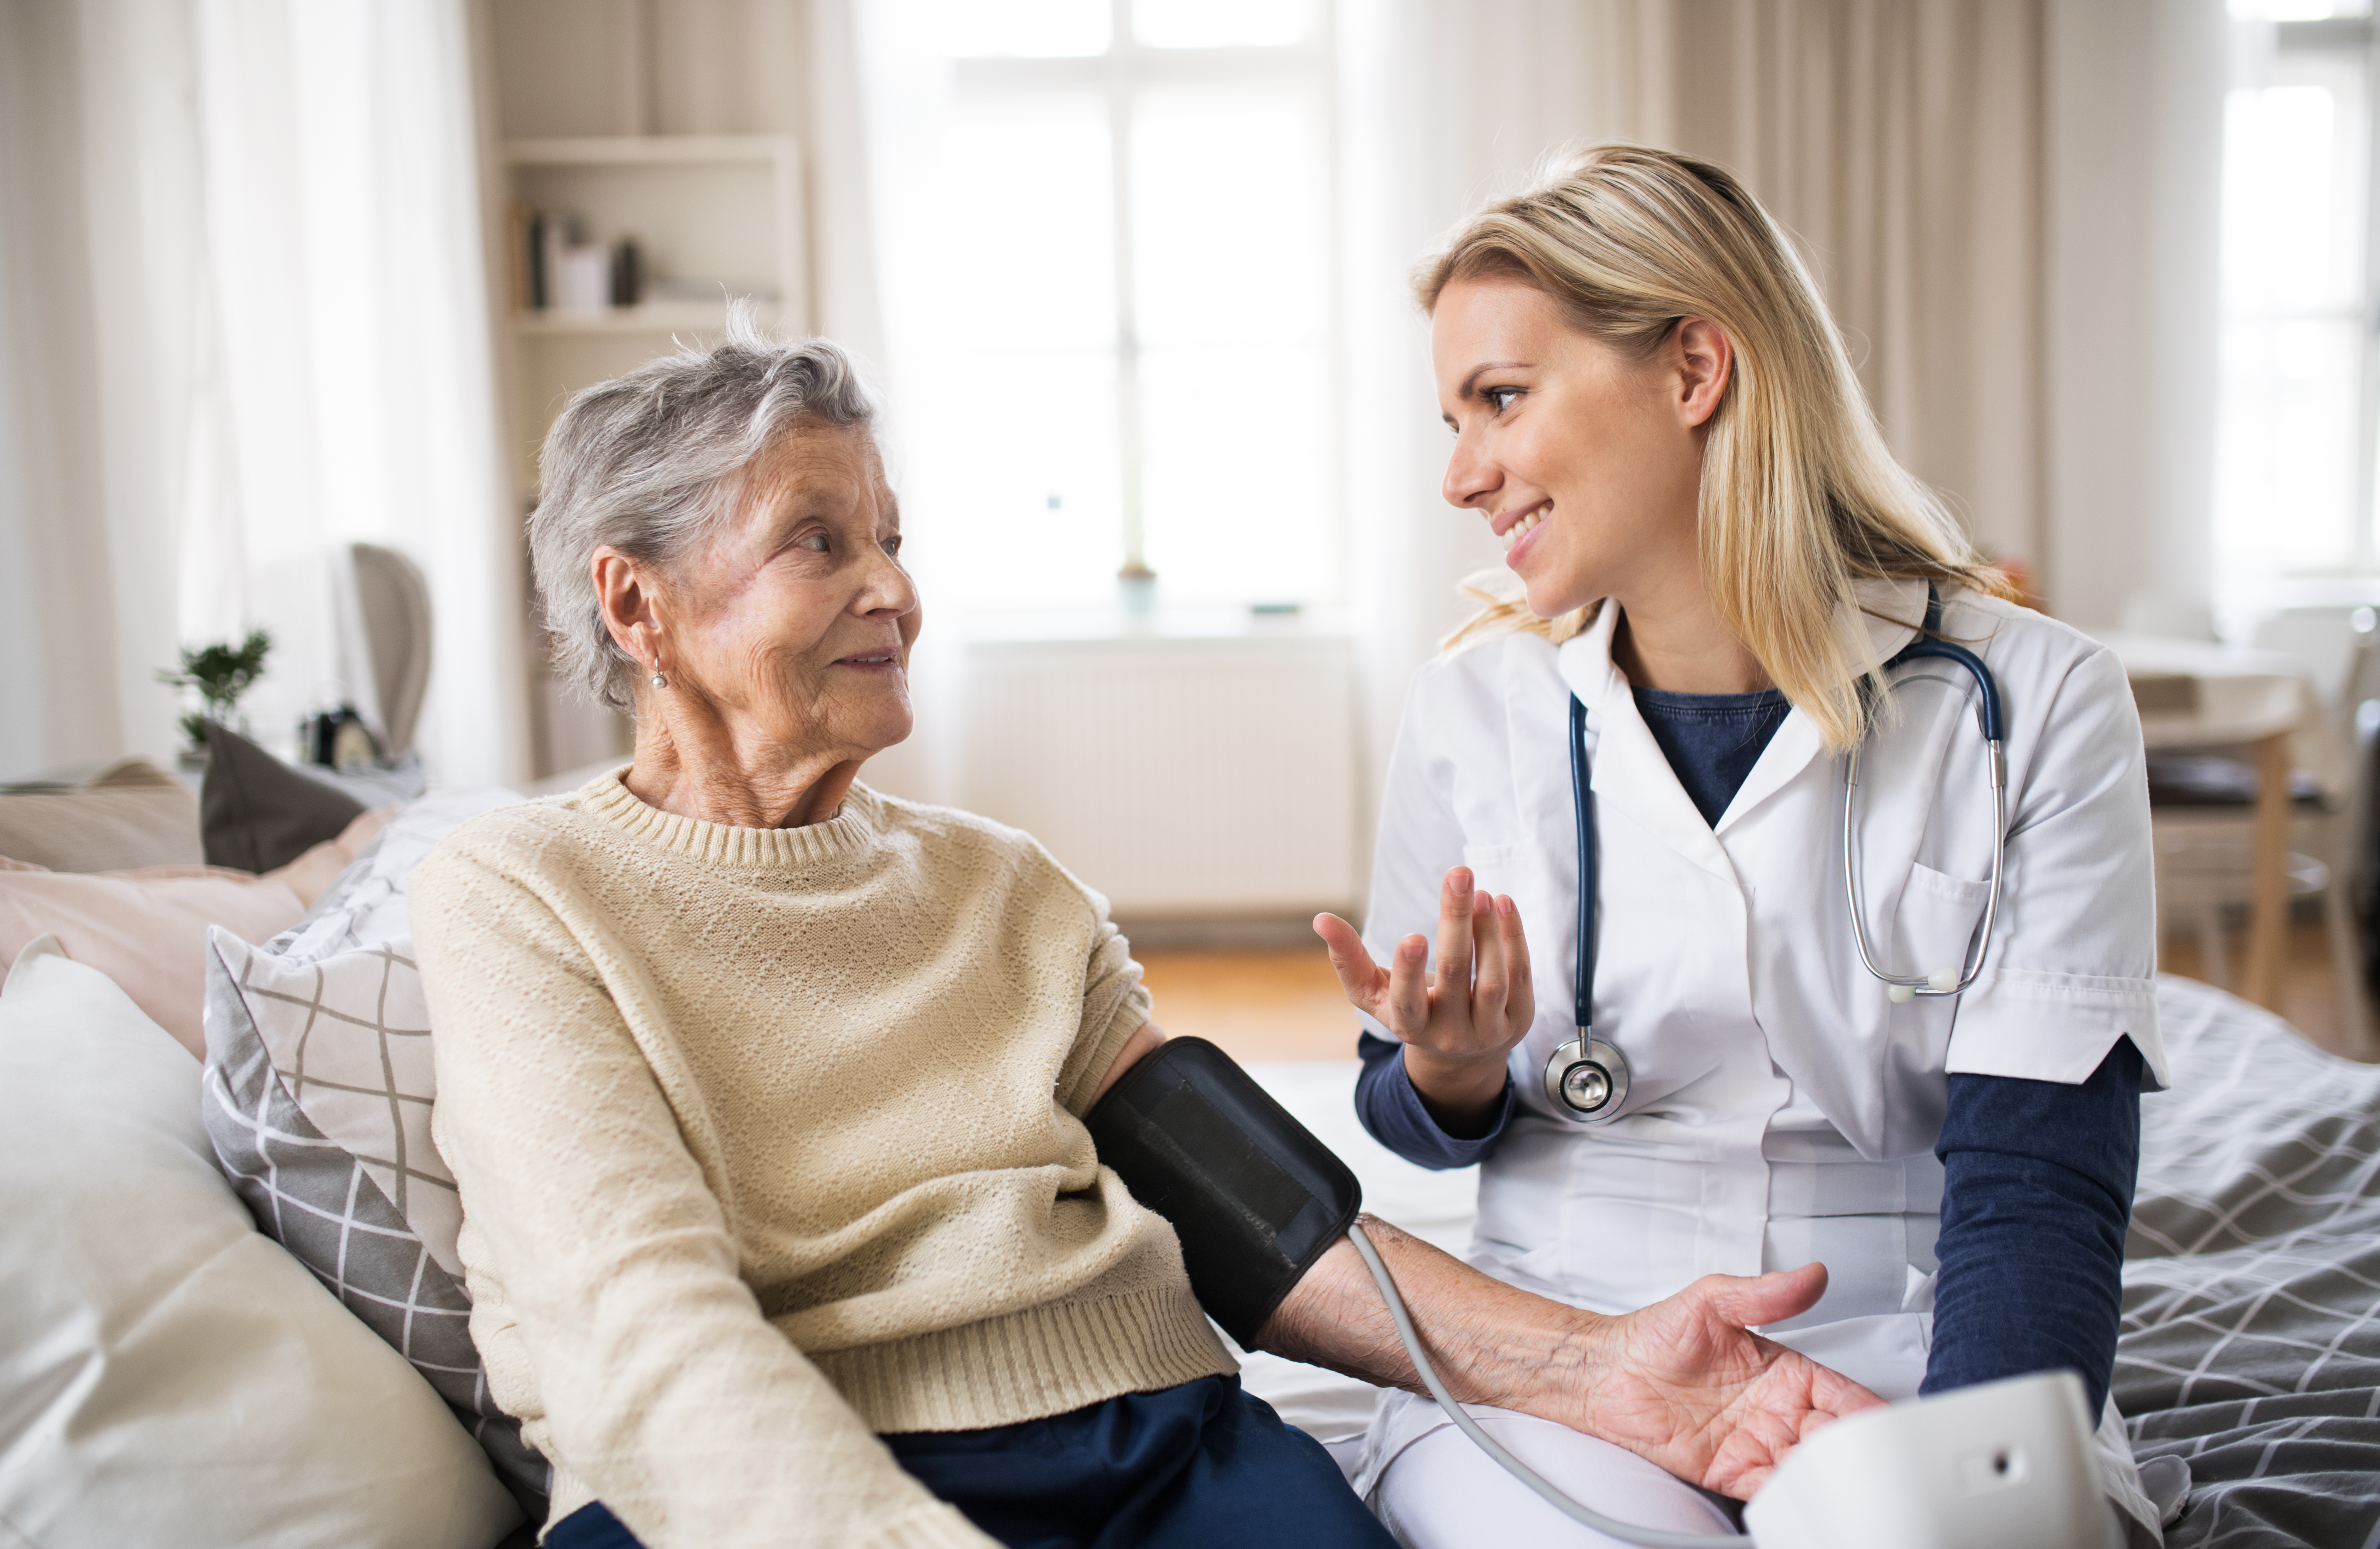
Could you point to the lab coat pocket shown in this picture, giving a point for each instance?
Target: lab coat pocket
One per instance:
(1937, 922)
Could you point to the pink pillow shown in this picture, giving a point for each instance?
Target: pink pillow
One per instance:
(147, 929)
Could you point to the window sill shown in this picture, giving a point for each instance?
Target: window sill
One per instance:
(1116, 625)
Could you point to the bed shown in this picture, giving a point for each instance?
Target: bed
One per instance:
(2250, 1349)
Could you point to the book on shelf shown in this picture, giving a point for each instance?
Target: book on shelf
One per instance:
(582, 275)
(520, 221)
(627, 273)
(553, 269)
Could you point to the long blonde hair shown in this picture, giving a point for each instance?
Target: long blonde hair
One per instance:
(1800, 498)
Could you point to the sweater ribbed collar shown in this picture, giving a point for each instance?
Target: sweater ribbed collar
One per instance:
(846, 833)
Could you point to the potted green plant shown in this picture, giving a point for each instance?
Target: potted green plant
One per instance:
(220, 673)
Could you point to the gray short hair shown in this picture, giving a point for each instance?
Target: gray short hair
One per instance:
(646, 463)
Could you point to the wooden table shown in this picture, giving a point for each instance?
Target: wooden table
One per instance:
(2193, 694)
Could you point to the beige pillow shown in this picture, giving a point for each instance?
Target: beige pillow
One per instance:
(133, 815)
(147, 929)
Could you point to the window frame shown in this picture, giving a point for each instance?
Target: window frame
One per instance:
(2355, 42)
(1119, 76)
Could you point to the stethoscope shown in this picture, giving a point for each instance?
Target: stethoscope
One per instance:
(1587, 1079)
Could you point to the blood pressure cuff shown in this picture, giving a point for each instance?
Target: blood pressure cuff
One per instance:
(1254, 1198)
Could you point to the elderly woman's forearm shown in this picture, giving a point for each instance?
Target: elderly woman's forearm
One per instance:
(1491, 1343)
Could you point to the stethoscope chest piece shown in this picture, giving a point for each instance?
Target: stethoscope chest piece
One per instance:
(1586, 1080)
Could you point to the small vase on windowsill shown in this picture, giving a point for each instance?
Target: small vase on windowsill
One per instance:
(1136, 589)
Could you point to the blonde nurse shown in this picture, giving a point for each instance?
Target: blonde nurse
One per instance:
(1713, 555)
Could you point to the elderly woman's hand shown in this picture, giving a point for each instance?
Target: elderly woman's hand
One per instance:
(1458, 1023)
(1685, 1384)
(1682, 1383)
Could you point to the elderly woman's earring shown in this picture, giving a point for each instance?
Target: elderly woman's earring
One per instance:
(659, 681)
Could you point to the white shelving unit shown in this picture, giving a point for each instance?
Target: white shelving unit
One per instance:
(709, 210)
(721, 213)
(654, 317)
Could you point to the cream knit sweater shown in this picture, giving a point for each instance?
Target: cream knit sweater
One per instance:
(769, 1140)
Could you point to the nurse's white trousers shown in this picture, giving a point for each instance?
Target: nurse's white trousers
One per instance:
(1443, 1492)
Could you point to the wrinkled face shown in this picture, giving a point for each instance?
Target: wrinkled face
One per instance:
(793, 626)
(1585, 463)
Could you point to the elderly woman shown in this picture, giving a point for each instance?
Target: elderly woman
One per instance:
(765, 1091)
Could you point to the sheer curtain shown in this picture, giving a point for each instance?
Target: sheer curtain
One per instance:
(283, 342)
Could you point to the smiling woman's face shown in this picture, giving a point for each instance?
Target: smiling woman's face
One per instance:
(1585, 463)
(793, 626)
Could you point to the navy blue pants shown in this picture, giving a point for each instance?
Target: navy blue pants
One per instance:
(1188, 1467)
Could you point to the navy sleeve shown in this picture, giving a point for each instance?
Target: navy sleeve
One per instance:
(2037, 1192)
(1392, 1113)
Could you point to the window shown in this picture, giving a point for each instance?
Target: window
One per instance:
(2295, 490)
(1134, 335)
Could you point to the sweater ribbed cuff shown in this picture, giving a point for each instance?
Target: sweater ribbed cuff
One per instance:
(1029, 1365)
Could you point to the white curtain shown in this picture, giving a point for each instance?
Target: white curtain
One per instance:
(284, 328)
(93, 411)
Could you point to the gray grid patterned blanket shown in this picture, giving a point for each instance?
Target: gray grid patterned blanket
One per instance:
(2250, 1347)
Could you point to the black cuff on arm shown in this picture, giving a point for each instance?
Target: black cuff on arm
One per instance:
(1392, 1113)
(1254, 1198)
(2037, 1192)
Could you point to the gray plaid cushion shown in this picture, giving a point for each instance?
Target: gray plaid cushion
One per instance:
(318, 1095)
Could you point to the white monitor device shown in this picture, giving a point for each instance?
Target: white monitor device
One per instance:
(2004, 1464)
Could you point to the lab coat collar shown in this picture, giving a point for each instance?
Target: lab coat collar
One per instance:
(1883, 617)
(1632, 771)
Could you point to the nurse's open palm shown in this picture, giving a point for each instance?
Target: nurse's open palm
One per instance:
(1687, 1385)
(1458, 1023)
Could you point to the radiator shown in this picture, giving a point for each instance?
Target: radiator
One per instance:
(1178, 777)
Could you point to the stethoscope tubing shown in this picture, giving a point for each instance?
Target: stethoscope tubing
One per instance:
(1608, 1067)
(1929, 644)
(1582, 801)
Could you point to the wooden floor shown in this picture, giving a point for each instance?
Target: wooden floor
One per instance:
(1257, 1005)
(2310, 993)
(1286, 1005)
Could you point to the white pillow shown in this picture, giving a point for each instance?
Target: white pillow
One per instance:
(167, 1373)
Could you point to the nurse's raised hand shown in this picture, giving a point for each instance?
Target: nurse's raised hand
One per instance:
(1458, 1023)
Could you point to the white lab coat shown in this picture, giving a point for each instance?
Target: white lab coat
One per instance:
(1783, 1108)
